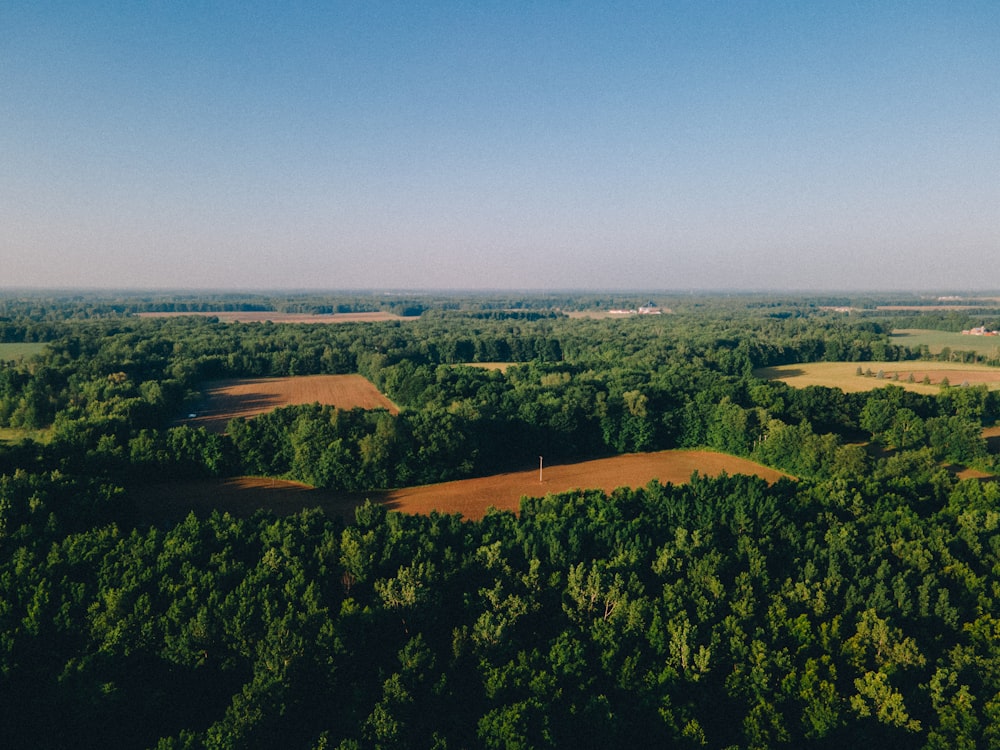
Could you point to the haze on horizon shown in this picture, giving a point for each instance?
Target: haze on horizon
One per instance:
(550, 145)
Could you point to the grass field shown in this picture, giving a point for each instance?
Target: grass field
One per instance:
(13, 435)
(470, 497)
(936, 341)
(223, 400)
(280, 317)
(844, 375)
(15, 352)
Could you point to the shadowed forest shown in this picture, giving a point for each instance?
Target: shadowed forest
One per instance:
(852, 602)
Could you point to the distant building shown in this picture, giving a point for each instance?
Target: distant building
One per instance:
(650, 308)
(980, 331)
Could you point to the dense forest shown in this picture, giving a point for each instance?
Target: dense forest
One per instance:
(859, 601)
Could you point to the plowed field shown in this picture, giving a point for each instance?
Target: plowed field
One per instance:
(470, 497)
(223, 400)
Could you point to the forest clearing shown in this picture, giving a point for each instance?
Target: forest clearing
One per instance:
(13, 352)
(223, 400)
(844, 375)
(242, 496)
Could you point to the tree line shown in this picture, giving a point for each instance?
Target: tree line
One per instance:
(108, 391)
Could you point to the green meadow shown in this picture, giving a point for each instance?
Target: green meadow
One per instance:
(937, 341)
(14, 352)
(14, 435)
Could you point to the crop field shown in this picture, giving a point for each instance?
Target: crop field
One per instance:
(15, 434)
(280, 317)
(936, 341)
(15, 352)
(470, 497)
(844, 375)
(223, 400)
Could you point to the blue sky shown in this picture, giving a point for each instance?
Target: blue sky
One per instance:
(483, 145)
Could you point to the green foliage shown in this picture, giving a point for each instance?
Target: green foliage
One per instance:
(854, 605)
(725, 611)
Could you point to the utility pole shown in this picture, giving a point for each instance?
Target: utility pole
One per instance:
(539, 469)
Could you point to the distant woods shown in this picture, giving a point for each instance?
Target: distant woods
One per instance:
(108, 388)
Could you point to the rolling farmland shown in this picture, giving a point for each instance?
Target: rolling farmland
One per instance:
(469, 497)
(223, 400)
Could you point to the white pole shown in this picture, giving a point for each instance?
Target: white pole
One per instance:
(539, 469)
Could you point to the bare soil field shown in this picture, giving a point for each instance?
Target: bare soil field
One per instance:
(588, 314)
(844, 375)
(969, 473)
(223, 400)
(470, 497)
(280, 317)
(992, 436)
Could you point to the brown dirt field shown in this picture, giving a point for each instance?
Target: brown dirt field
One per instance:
(968, 473)
(240, 497)
(223, 400)
(280, 317)
(992, 435)
(470, 497)
(588, 314)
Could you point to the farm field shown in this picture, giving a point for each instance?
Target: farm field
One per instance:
(15, 434)
(936, 341)
(470, 497)
(844, 375)
(280, 317)
(14, 352)
(223, 400)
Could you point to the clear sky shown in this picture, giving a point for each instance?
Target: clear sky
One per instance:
(805, 145)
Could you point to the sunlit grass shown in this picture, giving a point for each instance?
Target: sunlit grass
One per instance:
(15, 352)
(908, 375)
(15, 435)
(936, 341)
